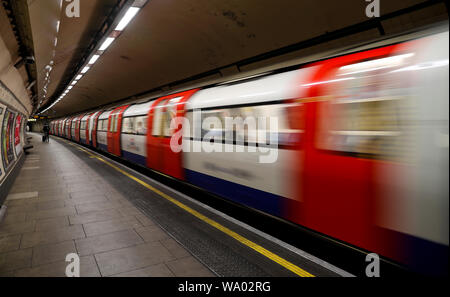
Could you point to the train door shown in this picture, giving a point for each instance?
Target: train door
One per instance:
(337, 186)
(159, 153)
(94, 129)
(88, 128)
(69, 128)
(61, 128)
(115, 124)
(74, 125)
(77, 128)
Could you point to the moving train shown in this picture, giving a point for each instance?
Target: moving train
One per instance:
(359, 153)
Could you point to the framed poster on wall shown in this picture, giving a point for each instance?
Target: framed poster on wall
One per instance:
(17, 135)
(7, 139)
(2, 171)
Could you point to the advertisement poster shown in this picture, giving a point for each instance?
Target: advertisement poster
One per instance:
(17, 142)
(4, 139)
(1, 145)
(7, 139)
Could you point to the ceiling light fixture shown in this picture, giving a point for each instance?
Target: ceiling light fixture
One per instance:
(106, 43)
(94, 59)
(129, 15)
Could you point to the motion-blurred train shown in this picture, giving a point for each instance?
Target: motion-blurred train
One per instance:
(362, 146)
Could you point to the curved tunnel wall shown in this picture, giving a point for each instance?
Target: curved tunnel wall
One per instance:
(15, 107)
(12, 141)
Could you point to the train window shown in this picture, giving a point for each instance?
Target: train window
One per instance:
(250, 125)
(135, 125)
(128, 125)
(83, 125)
(116, 122)
(168, 115)
(162, 117)
(215, 124)
(367, 117)
(106, 124)
(157, 118)
(277, 114)
(102, 125)
(366, 127)
(113, 125)
(141, 125)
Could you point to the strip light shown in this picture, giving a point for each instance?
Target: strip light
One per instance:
(106, 43)
(94, 59)
(129, 15)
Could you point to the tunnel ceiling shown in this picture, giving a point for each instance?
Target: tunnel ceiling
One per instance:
(170, 40)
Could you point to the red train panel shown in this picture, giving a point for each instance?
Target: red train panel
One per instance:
(159, 153)
(114, 129)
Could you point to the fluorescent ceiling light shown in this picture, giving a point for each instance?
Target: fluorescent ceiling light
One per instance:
(129, 15)
(106, 43)
(74, 82)
(94, 59)
(85, 69)
(79, 76)
(70, 87)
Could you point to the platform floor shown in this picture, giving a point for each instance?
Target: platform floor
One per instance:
(68, 199)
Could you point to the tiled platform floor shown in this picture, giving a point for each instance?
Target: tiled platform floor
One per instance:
(59, 205)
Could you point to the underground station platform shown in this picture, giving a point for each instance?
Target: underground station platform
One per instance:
(69, 199)
(224, 147)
